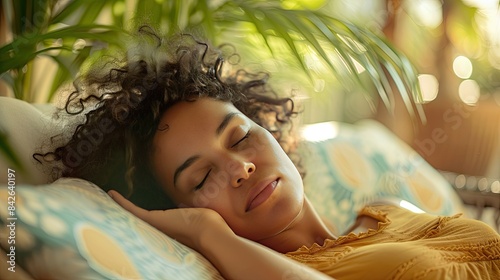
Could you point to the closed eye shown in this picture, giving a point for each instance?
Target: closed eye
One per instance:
(242, 139)
(200, 185)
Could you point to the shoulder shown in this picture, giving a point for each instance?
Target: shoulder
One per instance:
(407, 219)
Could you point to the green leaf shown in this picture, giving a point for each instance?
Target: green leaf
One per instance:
(279, 26)
(337, 43)
(22, 59)
(382, 85)
(17, 53)
(174, 14)
(305, 31)
(208, 22)
(67, 71)
(92, 12)
(149, 11)
(259, 25)
(69, 10)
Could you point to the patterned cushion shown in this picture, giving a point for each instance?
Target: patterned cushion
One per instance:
(71, 229)
(349, 166)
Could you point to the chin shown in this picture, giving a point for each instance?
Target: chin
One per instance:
(286, 211)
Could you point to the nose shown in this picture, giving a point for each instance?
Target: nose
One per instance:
(240, 171)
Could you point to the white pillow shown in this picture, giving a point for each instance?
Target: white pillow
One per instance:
(26, 128)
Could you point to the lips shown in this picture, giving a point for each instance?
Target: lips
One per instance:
(260, 193)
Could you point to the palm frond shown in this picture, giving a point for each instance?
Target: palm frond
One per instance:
(327, 37)
(339, 45)
(68, 68)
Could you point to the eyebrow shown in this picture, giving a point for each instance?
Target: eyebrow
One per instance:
(183, 167)
(188, 162)
(224, 123)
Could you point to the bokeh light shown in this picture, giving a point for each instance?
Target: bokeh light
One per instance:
(469, 92)
(429, 87)
(427, 13)
(320, 131)
(462, 66)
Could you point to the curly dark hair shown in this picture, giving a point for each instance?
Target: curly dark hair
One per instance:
(123, 101)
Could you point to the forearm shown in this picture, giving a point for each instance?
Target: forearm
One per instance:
(238, 258)
(235, 257)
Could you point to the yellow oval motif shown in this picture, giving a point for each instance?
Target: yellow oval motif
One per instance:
(103, 251)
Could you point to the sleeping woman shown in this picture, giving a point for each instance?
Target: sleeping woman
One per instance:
(203, 153)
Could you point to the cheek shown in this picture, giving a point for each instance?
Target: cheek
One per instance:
(220, 201)
(262, 144)
(272, 150)
(213, 195)
(218, 198)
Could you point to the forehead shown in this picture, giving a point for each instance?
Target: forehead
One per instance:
(203, 113)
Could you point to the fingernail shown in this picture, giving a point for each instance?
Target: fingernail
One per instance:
(110, 193)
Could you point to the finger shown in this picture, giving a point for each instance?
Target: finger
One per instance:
(127, 205)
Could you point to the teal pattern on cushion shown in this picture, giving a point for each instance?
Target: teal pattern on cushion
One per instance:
(72, 230)
(364, 163)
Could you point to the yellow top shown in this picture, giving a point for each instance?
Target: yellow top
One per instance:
(409, 246)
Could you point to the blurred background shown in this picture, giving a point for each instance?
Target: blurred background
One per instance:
(427, 69)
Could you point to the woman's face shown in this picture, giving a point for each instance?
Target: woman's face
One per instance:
(208, 154)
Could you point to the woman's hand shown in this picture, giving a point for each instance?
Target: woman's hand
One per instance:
(182, 224)
(206, 231)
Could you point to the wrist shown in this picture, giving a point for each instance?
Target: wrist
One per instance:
(212, 238)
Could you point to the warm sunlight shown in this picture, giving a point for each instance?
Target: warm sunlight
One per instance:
(429, 86)
(462, 66)
(469, 92)
(320, 131)
(426, 12)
